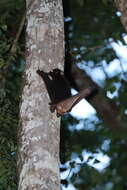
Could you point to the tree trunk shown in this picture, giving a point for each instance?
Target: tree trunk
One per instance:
(122, 7)
(38, 154)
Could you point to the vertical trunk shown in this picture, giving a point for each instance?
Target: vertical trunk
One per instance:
(38, 155)
(122, 7)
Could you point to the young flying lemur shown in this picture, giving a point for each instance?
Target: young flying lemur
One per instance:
(59, 91)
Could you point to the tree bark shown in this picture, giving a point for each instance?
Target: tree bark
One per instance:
(38, 154)
(122, 7)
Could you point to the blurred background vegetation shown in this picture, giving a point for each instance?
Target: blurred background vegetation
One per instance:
(11, 67)
(93, 156)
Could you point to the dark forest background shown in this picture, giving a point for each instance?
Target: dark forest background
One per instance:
(92, 31)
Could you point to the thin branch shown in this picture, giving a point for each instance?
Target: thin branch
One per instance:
(21, 27)
(19, 31)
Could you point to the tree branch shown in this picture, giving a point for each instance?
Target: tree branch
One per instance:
(109, 112)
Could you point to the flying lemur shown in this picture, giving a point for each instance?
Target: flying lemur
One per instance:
(59, 91)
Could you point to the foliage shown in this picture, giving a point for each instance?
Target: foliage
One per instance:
(11, 66)
(91, 29)
(94, 25)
